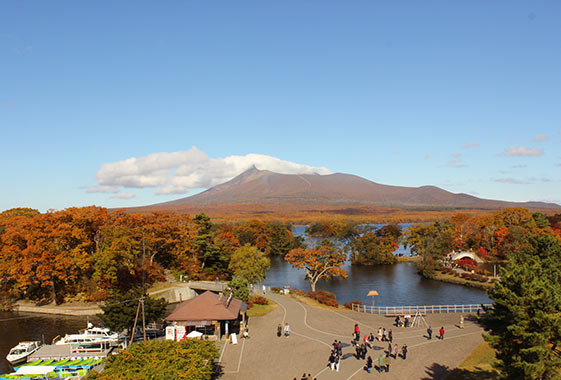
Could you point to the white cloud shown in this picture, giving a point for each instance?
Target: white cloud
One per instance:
(518, 166)
(540, 138)
(124, 196)
(471, 144)
(510, 180)
(456, 155)
(522, 151)
(456, 164)
(102, 189)
(178, 172)
(518, 181)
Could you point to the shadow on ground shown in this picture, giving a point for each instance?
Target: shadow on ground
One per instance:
(441, 372)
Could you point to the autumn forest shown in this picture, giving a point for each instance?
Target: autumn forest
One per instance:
(91, 253)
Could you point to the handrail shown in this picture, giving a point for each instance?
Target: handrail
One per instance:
(424, 309)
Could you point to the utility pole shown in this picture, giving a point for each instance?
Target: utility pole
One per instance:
(143, 320)
(140, 305)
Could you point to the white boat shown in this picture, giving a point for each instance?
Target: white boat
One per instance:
(91, 335)
(19, 353)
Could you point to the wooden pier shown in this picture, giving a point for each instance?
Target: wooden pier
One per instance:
(68, 351)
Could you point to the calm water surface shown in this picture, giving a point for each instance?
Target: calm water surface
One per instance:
(397, 284)
(17, 327)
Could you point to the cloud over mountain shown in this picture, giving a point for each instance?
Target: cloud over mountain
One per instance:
(178, 172)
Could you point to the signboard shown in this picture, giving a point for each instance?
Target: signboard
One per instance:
(170, 333)
(180, 332)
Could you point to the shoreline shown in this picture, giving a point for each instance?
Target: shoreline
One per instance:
(461, 281)
(68, 310)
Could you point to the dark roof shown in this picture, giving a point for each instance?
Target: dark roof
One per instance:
(208, 306)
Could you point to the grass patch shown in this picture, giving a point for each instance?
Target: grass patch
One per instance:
(407, 259)
(261, 310)
(477, 366)
(161, 286)
(462, 281)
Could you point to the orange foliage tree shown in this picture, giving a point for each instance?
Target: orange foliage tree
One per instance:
(320, 262)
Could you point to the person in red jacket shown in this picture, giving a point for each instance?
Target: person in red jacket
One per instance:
(357, 332)
(442, 333)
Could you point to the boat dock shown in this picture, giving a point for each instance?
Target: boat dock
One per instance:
(68, 351)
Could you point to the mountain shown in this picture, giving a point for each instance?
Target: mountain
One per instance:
(256, 186)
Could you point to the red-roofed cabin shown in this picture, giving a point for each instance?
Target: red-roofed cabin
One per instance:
(212, 314)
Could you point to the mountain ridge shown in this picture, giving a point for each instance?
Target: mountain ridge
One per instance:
(256, 186)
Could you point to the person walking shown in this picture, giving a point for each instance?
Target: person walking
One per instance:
(368, 366)
(442, 333)
(379, 334)
(395, 350)
(286, 330)
(389, 348)
(279, 330)
(357, 332)
(461, 321)
(381, 363)
(429, 332)
(331, 361)
(340, 348)
(404, 351)
(388, 363)
(390, 335)
(337, 362)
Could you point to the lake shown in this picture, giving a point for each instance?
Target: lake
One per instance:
(397, 284)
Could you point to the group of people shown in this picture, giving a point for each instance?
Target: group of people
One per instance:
(361, 349)
(306, 377)
(286, 330)
(335, 356)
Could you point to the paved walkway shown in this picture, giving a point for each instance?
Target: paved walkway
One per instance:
(265, 356)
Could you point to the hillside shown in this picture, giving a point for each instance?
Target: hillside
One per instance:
(262, 187)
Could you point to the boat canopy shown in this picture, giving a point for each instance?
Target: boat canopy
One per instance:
(35, 370)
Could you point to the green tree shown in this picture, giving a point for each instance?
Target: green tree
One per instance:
(250, 263)
(210, 255)
(161, 360)
(372, 249)
(119, 312)
(238, 287)
(541, 220)
(431, 242)
(524, 323)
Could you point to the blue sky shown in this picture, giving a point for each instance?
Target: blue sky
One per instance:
(464, 95)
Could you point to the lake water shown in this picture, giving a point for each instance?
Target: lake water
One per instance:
(17, 327)
(397, 284)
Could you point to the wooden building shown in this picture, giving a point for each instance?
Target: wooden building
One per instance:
(211, 314)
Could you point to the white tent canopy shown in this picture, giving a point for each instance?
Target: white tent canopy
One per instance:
(35, 370)
(194, 334)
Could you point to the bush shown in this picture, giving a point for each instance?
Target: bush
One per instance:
(324, 297)
(349, 305)
(446, 270)
(276, 289)
(259, 300)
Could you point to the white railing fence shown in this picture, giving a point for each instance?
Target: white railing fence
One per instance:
(424, 309)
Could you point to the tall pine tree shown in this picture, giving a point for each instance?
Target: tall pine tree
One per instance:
(525, 322)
